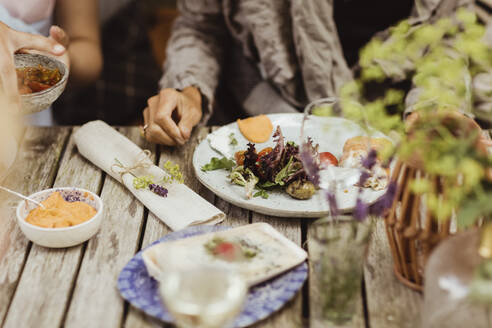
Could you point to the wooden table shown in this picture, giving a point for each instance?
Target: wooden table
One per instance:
(76, 287)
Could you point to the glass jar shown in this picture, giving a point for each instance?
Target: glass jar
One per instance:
(337, 251)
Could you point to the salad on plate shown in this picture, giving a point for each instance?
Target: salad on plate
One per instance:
(281, 166)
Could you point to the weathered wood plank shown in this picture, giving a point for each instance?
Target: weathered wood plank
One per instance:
(155, 228)
(315, 297)
(96, 301)
(389, 302)
(291, 314)
(34, 170)
(49, 273)
(235, 216)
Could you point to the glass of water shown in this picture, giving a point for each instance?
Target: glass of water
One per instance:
(203, 296)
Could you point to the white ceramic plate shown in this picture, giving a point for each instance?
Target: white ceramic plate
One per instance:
(329, 132)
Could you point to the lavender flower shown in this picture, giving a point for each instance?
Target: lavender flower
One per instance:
(363, 177)
(332, 201)
(384, 202)
(310, 164)
(370, 160)
(159, 190)
(361, 210)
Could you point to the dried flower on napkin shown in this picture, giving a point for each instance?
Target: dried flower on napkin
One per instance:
(142, 182)
(147, 181)
(174, 172)
(159, 190)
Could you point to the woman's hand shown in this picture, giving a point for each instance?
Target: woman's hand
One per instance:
(12, 41)
(60, 36)
(171, 115)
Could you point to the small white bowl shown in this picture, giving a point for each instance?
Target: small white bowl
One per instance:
(61, 237)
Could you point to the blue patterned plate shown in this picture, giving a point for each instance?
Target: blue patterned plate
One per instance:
(141, 290)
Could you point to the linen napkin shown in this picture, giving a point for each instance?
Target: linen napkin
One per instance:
(104, 146)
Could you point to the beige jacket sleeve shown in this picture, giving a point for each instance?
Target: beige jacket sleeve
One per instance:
(194, 51)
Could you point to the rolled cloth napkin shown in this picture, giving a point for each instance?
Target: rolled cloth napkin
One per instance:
(105, 147)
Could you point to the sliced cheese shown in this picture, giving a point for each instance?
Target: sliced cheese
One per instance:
(256, 129)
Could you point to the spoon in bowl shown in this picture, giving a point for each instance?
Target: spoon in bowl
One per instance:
(22, 196)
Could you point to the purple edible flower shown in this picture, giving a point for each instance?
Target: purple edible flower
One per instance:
(370, 160)
(308, 157)
(361, 210)
(363, 177)
(159, 190)
(384, 202)
(332, 201)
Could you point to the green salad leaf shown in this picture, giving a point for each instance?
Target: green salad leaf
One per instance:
(217, 164)
(261, 193)
(245, 178)
(267, 184)
(292, 143)
(287, 171)
(232, 139)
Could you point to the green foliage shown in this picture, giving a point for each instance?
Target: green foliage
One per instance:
(324, 110)
(440, 59)
(473, 208)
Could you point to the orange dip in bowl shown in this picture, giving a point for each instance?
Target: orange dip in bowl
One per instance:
(59, 213)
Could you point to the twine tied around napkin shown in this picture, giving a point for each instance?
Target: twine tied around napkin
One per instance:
(101, 144)
(143, 162)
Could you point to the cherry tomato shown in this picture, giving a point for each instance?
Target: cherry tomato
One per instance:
(328, 158)
(239, 157)
(264, 151)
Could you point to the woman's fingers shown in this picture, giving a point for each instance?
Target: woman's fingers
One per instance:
(161, 113)
(146, 116)
(189, 118)
(155, 134)
(8, 77)
(59, 35)
(190, 111)
(171, 116)
(20, 40)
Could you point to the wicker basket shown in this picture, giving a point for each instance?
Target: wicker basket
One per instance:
(412, 231)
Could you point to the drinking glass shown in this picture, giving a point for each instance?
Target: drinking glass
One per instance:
(337, 252)
(203, 296)
(453, 296)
